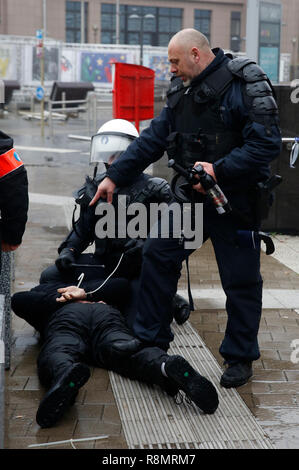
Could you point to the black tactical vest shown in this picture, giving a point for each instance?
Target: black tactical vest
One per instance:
(200, 133)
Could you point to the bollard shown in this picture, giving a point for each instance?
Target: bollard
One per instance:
(5, 290)
(50, 119)
(63, 97)
(2, 376)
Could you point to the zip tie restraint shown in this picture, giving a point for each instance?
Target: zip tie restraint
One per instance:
(71, 441)
(107, 278)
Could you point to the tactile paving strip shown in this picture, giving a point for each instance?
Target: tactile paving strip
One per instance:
(152, 420)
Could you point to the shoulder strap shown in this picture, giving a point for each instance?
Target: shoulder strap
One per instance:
(214, 85)
(219, 80)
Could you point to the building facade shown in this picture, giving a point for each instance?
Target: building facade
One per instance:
(222, 21)
(152, 22)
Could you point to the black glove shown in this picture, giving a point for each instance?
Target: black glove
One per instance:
(65, 259)
(132, 260)
(181, 309)
(133, 251)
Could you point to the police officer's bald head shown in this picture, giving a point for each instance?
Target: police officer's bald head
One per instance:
(189, 53)
(188, 38)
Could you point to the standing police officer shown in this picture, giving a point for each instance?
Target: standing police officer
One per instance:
(221, 114)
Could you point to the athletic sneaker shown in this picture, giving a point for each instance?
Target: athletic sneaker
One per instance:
(197, 388)
(61, 395)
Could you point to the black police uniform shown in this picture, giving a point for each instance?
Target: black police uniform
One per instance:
(93, 333)
(75, 335)
(230, 108)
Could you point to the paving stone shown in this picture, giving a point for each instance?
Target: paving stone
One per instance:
(89, 411)
(279, 364)
(273, 399)
(14, 442)
(111, 414)
(285, 354)
(17, 383)
(269, 354)
(24, 397)
(264, 375)
(253, 387)
(114, 442)
(285, 387)
(32, 383)
(98, 383)
(99, 396)
(292, 375)
(95, 427)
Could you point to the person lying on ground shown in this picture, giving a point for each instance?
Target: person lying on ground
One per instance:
(78, 334)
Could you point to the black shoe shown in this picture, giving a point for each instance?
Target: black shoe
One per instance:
(236, 374)
(199, 389)
(61, 395)
(181, 309)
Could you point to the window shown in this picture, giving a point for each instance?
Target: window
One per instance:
(73, 21)
(235, 31)
(157, 30)
(202, 22)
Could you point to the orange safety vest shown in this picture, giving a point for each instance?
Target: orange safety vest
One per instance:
(9, 161)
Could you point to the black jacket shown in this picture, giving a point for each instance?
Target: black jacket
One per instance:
(13, 198)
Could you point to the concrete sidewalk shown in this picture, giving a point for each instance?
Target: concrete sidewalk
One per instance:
(272, 394)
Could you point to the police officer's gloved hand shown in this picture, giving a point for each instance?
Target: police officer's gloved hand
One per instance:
(65, 259)
(181, 309)
(133, 249)
(133, 257)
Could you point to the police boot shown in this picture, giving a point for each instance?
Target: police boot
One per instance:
(181, 309)
(236, 374)
(197, 388)
(61, 395)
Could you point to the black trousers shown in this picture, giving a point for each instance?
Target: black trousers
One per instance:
(87, 332)
(239, 268)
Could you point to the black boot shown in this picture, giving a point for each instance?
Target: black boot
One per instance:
(181, 309)
(199, 389)
(61, 395)
(236, 374)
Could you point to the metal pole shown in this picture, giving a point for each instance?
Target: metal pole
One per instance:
(63, 96)
(95, 112)
(42, 79)
(141, 45)
(50, 118)
(82, 22)
(117, 22)
(45, 18)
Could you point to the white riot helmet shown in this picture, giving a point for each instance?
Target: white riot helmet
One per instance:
(111, 140)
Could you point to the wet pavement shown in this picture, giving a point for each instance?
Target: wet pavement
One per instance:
(273, 392)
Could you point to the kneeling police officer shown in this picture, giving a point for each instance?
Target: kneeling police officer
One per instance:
(117, 254)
